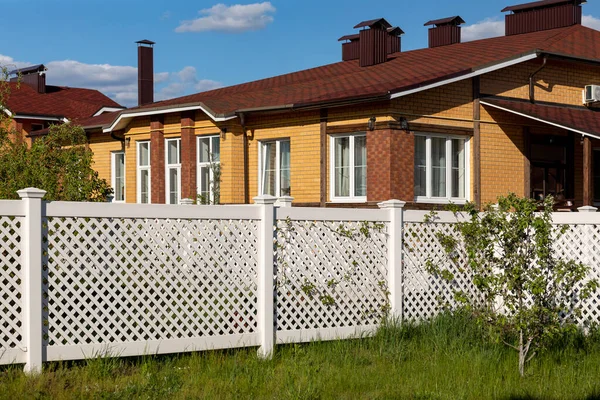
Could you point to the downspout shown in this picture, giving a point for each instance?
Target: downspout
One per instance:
(120, 139)
(531, 83)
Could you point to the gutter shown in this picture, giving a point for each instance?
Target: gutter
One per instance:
(531, 83)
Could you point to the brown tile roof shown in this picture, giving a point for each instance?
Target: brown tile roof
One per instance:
(577, 119)
(72, 103)
(345, 81)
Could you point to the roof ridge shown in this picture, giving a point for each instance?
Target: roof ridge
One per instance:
(561, 35)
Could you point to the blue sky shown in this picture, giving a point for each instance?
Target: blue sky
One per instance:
(206, 44)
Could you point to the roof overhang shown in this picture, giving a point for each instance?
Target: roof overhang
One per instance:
(108, 109)
(469, 74)
(124, 117)
(575, 119)
(42, 117)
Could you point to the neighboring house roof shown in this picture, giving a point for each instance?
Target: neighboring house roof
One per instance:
(405, 73)
(59, 102)
(576, 119)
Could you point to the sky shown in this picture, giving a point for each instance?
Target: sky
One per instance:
(203, 45)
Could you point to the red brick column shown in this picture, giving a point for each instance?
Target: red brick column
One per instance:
(157, 159)
(188, 156)
(390, 165)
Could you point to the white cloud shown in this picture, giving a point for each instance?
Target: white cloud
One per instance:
(236, 18)
(116, 81)
(181, 82)
(489, 27)
(591, 22)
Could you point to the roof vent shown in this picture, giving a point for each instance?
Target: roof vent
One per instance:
(34, 76)
(542, 15)
(446, 31)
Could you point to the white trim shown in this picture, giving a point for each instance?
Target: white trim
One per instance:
(540, 120)
(428, 199)
(108, 109)
(41, 118)
(200, 165)
(261, 162)
(113, 174)
(482, 71)
(169, 167)
(115, 124)
(351, 198)
(138, 168)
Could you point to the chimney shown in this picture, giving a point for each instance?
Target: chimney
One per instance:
(542, 15)
(351, 47)
(145, 72)
(373, 42)
(34, 76)
(446, 31)
(394, 44)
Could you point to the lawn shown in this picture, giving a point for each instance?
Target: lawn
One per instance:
(443, 359)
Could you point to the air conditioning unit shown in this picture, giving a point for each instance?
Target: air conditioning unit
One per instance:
(591, 94)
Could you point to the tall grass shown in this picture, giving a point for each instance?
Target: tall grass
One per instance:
(446, 358)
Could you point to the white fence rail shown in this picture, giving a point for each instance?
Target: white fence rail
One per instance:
(79, 280)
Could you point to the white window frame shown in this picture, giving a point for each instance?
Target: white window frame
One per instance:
(344, 199)
(261, 145)
(143, 168)
(169, 167)
(199, 165)
(448, 199)
(113, 168)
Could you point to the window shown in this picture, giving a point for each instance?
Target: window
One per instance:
(441, 168)
(173, 170)
(274, 168)
(349, 167)
(209, 157)
(118, 175)
(36, 127)
(143, 172)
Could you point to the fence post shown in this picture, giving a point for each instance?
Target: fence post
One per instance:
(265, 313)
(395, 247)
(31, 258)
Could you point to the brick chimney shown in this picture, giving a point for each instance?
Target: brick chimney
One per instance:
(34, 76)
(542, 15)
(145, 72)
(445, 31)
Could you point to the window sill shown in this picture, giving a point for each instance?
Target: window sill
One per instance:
(349, 200)
(440, 200)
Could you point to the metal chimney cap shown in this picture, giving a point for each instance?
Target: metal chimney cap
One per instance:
(456, 20)
(147, 42)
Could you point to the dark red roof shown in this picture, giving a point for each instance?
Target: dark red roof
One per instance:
(346, 80)
(579, 119)
(71, 103)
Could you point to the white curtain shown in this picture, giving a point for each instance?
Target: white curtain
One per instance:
(342, 167)
(438, 167)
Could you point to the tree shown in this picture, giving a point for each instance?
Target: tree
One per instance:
(528, 294)
(60, 163)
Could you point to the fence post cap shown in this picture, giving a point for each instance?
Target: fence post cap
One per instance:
(265, 199)
(186, 202)
(587, 209)
(31, 193)
(392, 204)
(284, 201)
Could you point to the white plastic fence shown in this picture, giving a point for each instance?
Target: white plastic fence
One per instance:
(79, 280)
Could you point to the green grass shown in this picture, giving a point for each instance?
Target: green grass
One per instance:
(444, 359)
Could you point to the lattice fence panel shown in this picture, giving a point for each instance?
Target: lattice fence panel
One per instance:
(114, 280)
(581, 243)
(329, 275)
(425, 294)
(10, 283)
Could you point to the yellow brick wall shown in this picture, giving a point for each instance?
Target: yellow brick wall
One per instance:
(102, 145)
(303, 130)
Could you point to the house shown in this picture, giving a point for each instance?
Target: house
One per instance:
(448, 123)
(34, 105)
